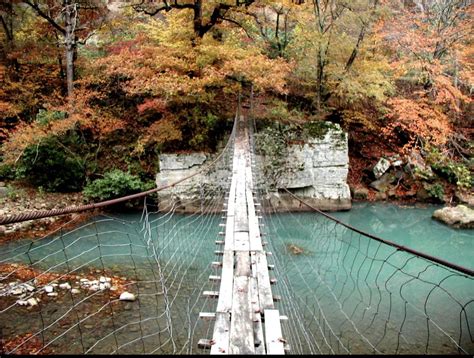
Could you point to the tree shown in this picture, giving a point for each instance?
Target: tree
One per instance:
(214, 11)
(75, 21)
(426, 44)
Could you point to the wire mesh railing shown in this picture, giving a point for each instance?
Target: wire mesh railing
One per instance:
(348, 292)
(124, 283)
(133, 283)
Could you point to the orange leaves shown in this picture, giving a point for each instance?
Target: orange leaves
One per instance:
(163, 131)
(419, 119)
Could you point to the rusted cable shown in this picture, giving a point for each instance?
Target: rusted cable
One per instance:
(4, 220)
(437, 260)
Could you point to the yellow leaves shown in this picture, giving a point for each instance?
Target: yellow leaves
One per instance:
(176, 32)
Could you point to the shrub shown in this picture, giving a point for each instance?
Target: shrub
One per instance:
(7, 172)
(115, 184)
(435, 191)
(50, 165)
(455, 172)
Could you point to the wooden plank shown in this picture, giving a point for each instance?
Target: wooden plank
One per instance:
(221, 334)
(231, 200)
(205, 343)
(273, 337)
(256, 318)
(229, 233)
(212, 294)
(224, 304)
(242, 264)
(254, 230)
(264, 290)
(207, 316)
(241, 241)
(241, 327)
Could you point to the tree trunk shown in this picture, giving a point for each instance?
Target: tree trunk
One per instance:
(197, 21)
(70, 20)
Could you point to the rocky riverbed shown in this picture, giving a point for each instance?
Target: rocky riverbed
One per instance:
(17, 199)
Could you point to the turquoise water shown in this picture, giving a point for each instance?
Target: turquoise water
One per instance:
(343, 293)
(413, 227)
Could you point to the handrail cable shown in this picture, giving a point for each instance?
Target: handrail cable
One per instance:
(437, 260)
(4, 220)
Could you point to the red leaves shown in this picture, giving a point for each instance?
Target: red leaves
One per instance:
(154, 104)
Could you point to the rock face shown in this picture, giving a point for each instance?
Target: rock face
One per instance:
(315, 171)
(459, 216)
(174, 167)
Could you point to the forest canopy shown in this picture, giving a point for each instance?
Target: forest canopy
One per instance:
(113, 84)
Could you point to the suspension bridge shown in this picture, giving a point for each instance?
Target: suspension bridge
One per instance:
(221, 280)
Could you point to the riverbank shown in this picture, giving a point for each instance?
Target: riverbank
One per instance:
(17, 198)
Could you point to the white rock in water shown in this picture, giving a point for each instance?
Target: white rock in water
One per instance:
(94, 282)
(75, 291)
(32, 301)
(65, 286)
(16, 291)
(460, 216)
(21, 302)
(52, 294)
(94, 288)
(48, 289)
(54, 285)
(127, 296)
(84, 280)
(102, 279)
(29, 287)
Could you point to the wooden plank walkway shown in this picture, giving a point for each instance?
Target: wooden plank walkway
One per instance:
(246, 321)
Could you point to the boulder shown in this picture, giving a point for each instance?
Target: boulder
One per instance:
(127, 296)
(383, 184)
(361, 193)
(416, 165)
(381, 167)
(465, 198)
(459, 216)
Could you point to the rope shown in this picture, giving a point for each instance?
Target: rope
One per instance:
(437, 260)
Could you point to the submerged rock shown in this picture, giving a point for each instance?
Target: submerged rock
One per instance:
(459, 216)
(48, 289)
(295, 250)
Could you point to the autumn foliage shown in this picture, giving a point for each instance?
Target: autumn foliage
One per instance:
(165, 76)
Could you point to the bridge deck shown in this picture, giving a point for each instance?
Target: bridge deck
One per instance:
(246, 321)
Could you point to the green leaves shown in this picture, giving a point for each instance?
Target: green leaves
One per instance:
(115, 184)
